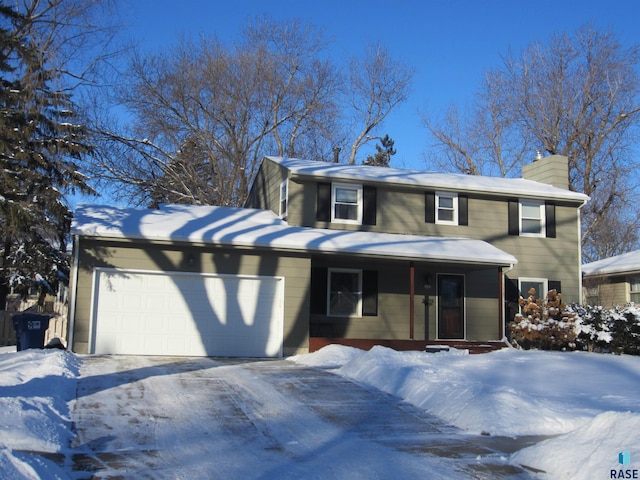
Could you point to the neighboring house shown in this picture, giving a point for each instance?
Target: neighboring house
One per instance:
(612, 281)
(324, 251)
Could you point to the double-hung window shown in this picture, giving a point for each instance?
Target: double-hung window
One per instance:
(346, 203)
(540, 285)
(532, 214)
(446, 208)
(634, 287)
(345, 293)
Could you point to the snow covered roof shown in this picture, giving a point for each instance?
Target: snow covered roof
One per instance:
(445, 181)
(625, 263)
(263, 229)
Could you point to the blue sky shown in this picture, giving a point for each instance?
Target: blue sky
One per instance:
(449, 43)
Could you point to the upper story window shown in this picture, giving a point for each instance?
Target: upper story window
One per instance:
(346, 203)
(532, 218)
(447, 208)
(634, 284)
(284, 195)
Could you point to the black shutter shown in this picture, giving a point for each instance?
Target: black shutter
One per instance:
(555, 285)
(511, 296)
(323, 203)
(550, 222)
(369, 205)
(369, 293)
(514, 218)
(430, 207)
(319, 278)
(463, 210)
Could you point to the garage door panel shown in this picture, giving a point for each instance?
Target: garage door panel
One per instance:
(187, 314)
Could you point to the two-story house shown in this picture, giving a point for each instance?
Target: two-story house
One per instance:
(324, 252)
(535, 219)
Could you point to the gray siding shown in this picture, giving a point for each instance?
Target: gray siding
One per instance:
(129, 255)
(265, 189)
(393, 319)
(402, 210)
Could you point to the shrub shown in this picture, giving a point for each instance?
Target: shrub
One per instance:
(552, 325)
(545, 325)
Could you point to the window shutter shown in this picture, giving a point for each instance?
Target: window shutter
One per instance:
(323, 203)
(430, 207)
(369, 205)
(369, 293)
(511, 296)
(512, 292)
(319, 278)
(550, 221)
(514, 218)
(463, 210)
(555, 285)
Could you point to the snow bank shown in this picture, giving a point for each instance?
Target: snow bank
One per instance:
(590, 402)
(589, 451)
(36, 387)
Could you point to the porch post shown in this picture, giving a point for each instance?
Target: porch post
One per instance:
(412, 275)
(500, 303)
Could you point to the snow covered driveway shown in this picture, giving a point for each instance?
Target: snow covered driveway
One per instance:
(173, 418)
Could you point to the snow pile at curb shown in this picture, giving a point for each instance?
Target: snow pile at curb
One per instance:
(590, 402)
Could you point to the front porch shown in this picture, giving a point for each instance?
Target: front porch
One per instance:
(316, 343)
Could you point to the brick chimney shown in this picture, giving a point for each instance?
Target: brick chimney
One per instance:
(552, 170)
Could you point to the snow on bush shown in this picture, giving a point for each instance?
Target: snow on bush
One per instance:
(552, 325)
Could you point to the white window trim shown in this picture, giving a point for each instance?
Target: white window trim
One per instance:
(541, 295)
(541, 207)
(358, 313)
(454, 197)
(358, 188)
(631, 291)
(284, 186)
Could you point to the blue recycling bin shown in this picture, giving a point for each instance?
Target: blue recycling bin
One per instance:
(30, 329)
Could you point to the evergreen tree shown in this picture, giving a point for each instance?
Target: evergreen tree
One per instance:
(382, 157)
(39, 145)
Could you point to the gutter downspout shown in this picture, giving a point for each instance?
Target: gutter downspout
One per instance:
(73, 292)
(580, 253)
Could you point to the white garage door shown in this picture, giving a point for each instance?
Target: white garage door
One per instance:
(149, 313)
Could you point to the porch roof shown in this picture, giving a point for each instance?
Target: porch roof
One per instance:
(244, 227)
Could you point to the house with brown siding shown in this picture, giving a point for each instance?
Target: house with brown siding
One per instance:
(321, 252)
(613, 281)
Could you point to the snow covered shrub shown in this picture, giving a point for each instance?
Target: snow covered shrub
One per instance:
(547, 325)
(625, 330)
(592, 327)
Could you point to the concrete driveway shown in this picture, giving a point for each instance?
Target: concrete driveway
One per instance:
(170, 418)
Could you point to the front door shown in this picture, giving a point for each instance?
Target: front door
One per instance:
(451, 306)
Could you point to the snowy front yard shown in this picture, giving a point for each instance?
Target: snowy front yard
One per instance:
(589, 403)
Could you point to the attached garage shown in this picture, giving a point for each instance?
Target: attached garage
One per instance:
(188, 314)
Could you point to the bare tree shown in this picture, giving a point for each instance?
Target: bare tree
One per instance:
(269, 93)
(576, 96)
(376, 85)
